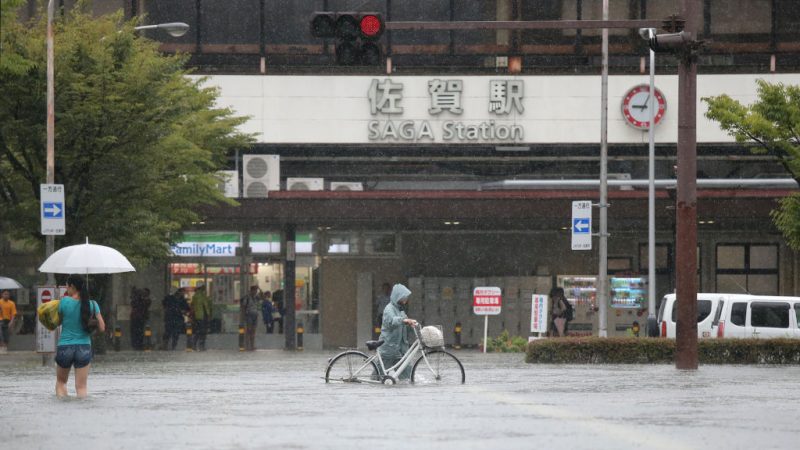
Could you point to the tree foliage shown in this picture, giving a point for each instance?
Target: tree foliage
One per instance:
(772, 125)
(138, 141)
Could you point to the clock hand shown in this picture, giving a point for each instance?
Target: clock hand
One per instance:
(644, 105)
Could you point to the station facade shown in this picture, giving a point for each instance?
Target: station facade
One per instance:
(405, 172)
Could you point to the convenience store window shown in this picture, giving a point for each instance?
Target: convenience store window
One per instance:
(270, 243)
(747, 268)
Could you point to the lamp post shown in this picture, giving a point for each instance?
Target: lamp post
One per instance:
(652, 324)
(175, 29)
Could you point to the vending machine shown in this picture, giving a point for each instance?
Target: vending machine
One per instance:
(627, 312)
(627, 304)
(581, 292)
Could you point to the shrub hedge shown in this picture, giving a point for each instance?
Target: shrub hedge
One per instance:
(594, 350)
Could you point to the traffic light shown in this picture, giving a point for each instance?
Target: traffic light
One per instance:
(672, 42)
(356, 35)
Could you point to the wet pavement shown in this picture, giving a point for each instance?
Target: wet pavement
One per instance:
(275, 399)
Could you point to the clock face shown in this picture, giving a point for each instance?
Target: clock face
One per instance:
(636, 104)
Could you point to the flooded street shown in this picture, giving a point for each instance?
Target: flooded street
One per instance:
(274, 399)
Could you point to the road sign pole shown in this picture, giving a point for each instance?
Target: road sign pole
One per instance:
(485, 332)
(602, 245)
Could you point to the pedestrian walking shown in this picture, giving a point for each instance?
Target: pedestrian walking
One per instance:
(560, 310)
(267, 310)
(279, 309)
(249, 306)
(140, 314)
(80, 317)
(201, 306)
(175, 307)
(394, 331)
(8, 313)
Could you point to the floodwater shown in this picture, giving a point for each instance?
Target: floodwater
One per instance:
(276, 399)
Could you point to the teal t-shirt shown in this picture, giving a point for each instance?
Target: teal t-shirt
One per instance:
(72, 332)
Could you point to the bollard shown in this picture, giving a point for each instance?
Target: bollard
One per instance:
(148, 338)
(300, 332)
(377, 332)
(457, 331)
(117, 338)
(241, 337)
(189, 339)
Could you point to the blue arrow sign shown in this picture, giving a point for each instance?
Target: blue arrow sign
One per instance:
(53, 210)
(581, 225)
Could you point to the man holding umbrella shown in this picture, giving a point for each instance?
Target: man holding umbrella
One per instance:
(175, 307)
(8, 312)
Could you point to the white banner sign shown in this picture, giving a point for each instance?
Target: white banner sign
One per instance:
(539, 314)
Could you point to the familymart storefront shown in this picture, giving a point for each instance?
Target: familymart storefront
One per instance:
(217, 262)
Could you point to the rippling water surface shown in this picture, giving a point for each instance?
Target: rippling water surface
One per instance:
(275, 399)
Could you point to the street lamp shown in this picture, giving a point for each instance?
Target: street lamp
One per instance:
(175, 29)
(652, 324)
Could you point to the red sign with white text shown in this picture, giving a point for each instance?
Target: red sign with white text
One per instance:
(487, 301)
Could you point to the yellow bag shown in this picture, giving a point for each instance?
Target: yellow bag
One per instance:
(48, 315)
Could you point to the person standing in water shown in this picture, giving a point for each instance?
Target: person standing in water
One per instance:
(80, 317)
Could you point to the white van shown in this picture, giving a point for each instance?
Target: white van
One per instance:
(759, 316)
(736, 315)
(706, 323)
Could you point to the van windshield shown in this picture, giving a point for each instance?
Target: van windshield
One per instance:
(703, 310)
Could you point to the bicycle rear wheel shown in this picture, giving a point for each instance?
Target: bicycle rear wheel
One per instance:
(442, 368)
(351, 367)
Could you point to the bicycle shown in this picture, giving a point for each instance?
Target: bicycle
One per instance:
(433, 364)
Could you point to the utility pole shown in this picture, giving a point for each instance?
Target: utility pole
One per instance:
(686, 210)
(49, 240)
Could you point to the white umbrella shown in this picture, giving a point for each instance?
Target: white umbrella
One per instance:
(85, 259)
(9, 283)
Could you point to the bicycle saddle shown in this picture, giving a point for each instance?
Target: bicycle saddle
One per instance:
(372, 345)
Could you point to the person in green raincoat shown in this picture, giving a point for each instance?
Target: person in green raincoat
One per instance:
(394, 328)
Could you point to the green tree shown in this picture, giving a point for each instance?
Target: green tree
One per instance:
(138, 139)
(771, 124)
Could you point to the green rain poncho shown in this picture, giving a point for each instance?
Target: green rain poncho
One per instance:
(394, 332)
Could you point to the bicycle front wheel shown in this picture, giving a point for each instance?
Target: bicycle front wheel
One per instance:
(442, 367)
(351, 367)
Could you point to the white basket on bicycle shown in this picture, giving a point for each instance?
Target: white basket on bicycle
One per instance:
(432, 336)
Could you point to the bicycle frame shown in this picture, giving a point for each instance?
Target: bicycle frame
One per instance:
(392, 372)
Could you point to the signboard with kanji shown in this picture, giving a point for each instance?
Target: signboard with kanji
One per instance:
(487, 301)
(539, 314)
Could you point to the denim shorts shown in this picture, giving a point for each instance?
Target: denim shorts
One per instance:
(78, 355)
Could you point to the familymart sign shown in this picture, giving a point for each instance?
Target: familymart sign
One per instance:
(222, 244)
(207, 244)
(496, 106)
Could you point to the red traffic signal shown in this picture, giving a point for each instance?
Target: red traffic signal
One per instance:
(371, 26)
(347, 25)
(354, 31)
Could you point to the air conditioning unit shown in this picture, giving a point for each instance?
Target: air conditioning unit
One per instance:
(228, 183)
(260, 174)
(305, 184)
(346, 186)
